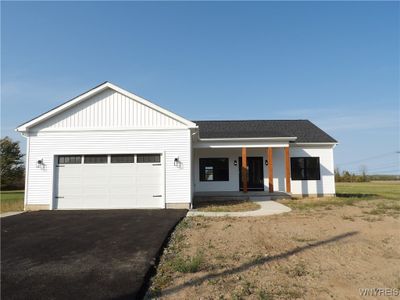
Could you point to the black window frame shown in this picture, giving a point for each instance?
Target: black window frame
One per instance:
(122, 158)
(69, 159)
(146, 158)
(219, 166)
(301, 168)
(98, 161)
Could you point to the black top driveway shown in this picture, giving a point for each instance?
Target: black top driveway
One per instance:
(82, 254)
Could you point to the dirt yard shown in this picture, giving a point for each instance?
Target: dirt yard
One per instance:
(317, 251)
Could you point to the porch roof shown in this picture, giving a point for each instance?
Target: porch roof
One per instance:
(303, 131)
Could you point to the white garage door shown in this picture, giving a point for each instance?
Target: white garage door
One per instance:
(109, 181)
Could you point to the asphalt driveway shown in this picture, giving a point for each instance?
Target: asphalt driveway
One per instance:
(82, 254)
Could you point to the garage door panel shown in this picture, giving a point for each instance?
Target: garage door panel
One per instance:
(119, 170)
(148, 202)
(71, 202)
(151, 181)
(110, 185)
(123, 181)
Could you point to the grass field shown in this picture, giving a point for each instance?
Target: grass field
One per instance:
(11, 201)
(351, 193)
(373, 189)
(325, 248)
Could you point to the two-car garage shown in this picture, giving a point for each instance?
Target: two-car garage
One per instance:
(109, 181)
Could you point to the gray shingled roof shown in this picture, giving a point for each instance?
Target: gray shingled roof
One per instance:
(304, 130)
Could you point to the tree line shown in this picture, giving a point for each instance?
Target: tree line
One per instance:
(346, 176)
(12, 165)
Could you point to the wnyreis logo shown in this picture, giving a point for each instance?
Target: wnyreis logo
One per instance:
(375, 292)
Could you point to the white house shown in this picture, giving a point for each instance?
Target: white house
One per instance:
(109, 148)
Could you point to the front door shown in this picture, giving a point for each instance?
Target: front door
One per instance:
(255, 174)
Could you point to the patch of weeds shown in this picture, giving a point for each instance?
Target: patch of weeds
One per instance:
(265, 295)
(188, 264)
(165, 271)
(348, 218)
(298, 270)
(184, 224)
(154, 292)
(245, 290)
(247, 287)
(213, 281)
(290, 292)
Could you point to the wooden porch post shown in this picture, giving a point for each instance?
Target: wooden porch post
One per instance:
(287, 170)
(270, 170)
(244, 169)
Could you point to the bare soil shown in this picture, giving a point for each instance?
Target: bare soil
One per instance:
(324, 252)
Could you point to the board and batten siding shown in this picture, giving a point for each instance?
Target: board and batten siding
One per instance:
(108, 110)
(172, 143)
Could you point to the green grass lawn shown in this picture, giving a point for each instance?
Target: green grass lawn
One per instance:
(11, 201)
(374, 189)
(386, 194)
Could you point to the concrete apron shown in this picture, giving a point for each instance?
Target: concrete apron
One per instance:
(267, 208)
(10, 213)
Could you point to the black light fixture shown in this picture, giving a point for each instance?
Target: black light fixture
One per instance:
(40, 163)
(266, 162)
(235, 162)
(176, 161)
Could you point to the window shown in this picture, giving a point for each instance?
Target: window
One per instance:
(214, 169)
(69, 159)
(122, 159)
(305, 168)
(148, 158)
(95, 159)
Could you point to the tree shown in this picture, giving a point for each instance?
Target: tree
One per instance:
(12, 165)
(363, 172)
(338, 178)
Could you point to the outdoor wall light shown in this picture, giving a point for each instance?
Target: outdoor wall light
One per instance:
(40, 163)
(266, 162)
(176, 161)
(235, 162)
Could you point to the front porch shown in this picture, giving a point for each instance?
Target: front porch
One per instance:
(256, 172)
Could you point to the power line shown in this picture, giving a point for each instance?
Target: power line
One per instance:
(392, 165)
(368, 158)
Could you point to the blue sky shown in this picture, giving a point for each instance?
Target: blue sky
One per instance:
(334, 63)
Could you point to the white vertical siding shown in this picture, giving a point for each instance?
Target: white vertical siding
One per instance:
(174, 143)
(108, 110)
